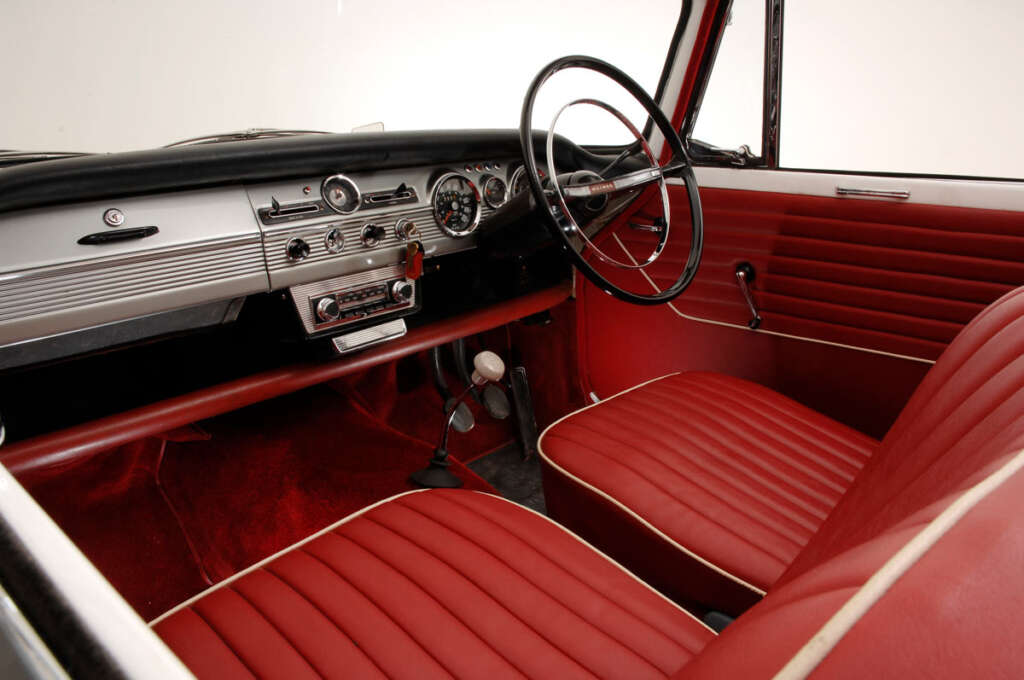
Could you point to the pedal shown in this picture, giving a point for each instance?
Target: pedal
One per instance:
(496, 402)
(463, 421)
(368, 337)
(526, 419)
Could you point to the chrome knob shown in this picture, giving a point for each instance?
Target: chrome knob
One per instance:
(334, 241)
(402, 291)
(297, 249)
(372, 235)
(405, 229)
(327, 309)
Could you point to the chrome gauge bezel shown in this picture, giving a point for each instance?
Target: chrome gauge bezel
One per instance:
(516, 175)
(487, 179)
(433, 205)
(329, 204)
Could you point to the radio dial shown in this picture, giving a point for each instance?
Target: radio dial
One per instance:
(401, 291)
(327, 309)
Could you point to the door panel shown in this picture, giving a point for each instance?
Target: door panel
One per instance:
(857, 296)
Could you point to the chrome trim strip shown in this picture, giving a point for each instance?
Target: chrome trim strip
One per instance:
(873, 193)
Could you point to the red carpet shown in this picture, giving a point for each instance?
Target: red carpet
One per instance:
(264, 477)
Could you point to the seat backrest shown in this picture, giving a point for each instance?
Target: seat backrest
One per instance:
(963, 424)
(953, 611)
(967, 413)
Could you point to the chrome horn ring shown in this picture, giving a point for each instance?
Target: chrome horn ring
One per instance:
(602, 188)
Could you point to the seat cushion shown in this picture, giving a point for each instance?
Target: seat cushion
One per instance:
(705, 485)
(435, 584)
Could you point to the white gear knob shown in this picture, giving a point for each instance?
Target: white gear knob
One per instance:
(488, 367)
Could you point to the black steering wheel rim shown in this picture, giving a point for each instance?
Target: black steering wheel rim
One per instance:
(683, 167)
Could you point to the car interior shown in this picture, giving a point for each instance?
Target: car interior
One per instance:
(485, 403)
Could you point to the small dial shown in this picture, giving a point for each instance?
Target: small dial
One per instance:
(519, 183)
(456, 204)
(341, 194)
(495, 192)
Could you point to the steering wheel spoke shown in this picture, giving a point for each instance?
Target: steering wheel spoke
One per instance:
(628, 181)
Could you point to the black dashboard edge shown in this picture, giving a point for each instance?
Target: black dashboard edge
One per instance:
(100, 176)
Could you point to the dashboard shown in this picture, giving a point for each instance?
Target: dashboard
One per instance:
(157, 252)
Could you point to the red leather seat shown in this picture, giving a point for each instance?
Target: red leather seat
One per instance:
(705, 485)
(436, 584)
(915, 573)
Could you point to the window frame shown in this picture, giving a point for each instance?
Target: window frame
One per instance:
(705, 155)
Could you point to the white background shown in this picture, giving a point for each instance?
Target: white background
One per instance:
(924, 86)
(112, 75)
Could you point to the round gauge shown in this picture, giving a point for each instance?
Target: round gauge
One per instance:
(519, 183)
(341, 194)
(495, 192)
(456, 203)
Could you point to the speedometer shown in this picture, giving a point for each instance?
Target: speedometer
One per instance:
(456, 204)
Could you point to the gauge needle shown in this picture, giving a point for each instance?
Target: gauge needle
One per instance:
(445, 220)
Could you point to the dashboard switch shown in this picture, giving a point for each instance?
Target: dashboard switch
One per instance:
(297, 249)
(373, 234)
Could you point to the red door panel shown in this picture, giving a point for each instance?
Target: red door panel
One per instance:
(892, 283)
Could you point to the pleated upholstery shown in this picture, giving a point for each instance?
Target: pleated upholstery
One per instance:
(436, 584)
(731, 472)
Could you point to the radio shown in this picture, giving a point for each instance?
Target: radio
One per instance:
(349, 300)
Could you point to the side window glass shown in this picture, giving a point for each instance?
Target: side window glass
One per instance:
(902, 87)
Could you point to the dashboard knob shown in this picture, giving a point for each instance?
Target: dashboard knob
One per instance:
(406, 229)
(327, 309)
(297, 249)
(372, 235)
(402, 291)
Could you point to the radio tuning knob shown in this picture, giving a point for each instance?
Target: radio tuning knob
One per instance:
(297, 249)
(327, 309)
(402, 291)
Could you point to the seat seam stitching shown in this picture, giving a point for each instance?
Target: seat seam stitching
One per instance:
(630, 614)
(287, 584)
(854, 455)
(791, 509)
(491, 597)
(812, 459)
(746, 439)
(751, 544)
(277, 629)
(377, 606)
(224, 640)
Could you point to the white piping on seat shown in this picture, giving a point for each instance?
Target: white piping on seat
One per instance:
(788, 336)
(625, 508)
(825, 640)
(273, 557)
(611, 561)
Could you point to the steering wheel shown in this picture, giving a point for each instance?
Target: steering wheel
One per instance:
(554, 200)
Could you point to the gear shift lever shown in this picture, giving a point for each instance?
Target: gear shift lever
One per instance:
(487, 367)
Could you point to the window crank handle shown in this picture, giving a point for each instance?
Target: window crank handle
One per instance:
(745, 276)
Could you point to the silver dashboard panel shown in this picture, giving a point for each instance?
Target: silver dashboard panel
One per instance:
(208, 248)
(211, 246)
(354, 258)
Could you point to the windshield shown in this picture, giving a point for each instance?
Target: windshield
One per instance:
(132, 74)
